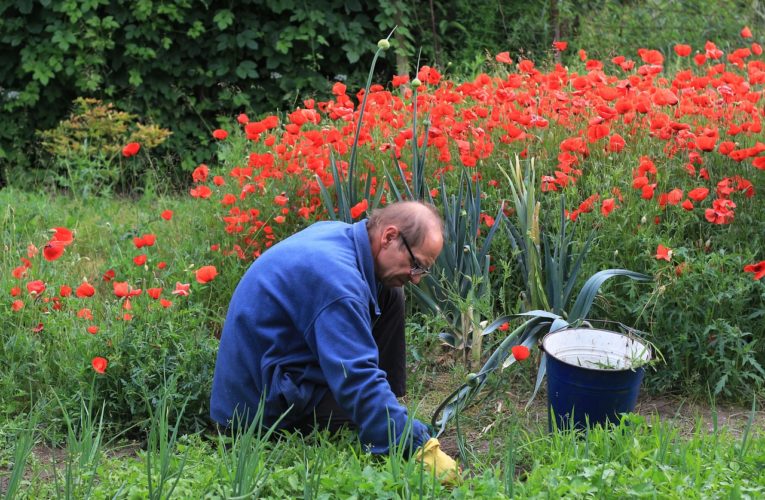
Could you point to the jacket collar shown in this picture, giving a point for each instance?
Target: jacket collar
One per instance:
(365, 260)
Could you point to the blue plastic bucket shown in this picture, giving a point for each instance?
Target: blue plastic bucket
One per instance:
(592, 375)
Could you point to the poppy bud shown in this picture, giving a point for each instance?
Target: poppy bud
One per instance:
(416, 83)
(383, 44)
(472, 380)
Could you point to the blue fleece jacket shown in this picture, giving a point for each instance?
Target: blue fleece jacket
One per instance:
(299, 324)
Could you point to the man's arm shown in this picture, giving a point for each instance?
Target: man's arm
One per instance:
(348, 358)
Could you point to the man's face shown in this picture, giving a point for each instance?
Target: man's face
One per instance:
(395, 265)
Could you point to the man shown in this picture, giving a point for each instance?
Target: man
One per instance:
(316, 328)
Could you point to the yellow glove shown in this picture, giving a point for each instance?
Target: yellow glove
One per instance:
(439, 463)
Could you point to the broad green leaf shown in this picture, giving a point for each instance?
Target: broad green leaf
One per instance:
(590, 290)
(223, 19)
(247, 69)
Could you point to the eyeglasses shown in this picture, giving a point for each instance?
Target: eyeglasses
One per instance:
(417, 268)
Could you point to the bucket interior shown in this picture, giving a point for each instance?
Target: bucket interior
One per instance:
(596, 349)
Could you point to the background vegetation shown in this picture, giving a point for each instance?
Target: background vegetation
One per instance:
(182, 65)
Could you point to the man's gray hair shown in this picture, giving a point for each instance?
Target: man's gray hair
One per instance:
(413, 219)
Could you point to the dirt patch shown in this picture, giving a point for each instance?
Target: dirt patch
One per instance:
(47, 459)
(686, 414)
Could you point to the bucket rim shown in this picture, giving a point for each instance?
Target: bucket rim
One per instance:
(639, 340)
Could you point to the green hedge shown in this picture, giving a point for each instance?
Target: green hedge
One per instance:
(179, 63)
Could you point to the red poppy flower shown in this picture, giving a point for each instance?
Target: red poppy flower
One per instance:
(85, 313)
(682, 50)
(758, 269)
(99, 364)
(37, 329)
(399, 80)
(647, 191)
(616, 143)
(85, 290)
(121, 289)
(597, 132)
(651, 56)
(338, 89)
(53, 250)
(181, 289)
(687, 205)
(108, 275)
(16, 291)
(520, 352)
(19, 272)
(36, 287)
(154, 293)
(17, 305)
(698, 194)
(200, 173)
(205, 274)
(63, 235)
(281, 200)
(746, 32)
(663, 252)
(92, 329)
(203, 192)
(166, 214)
(560, 46)
(161, 265)
(607, 206)
(165, 303)
(504, 57)
(220, 134)
(359, 208)
(131, 149)
(140, 260)
(242, 119)
(674, 196)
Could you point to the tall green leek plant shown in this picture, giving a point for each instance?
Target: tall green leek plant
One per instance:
(349, 192)
(460, 280)
(550, 269)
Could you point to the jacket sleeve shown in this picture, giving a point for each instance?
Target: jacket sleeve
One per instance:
(348, 357)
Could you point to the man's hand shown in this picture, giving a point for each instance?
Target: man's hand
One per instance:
(439, 463)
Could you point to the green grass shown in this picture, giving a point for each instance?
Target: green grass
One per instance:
(638, 458)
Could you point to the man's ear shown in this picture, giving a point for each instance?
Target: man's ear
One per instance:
(389, 234)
